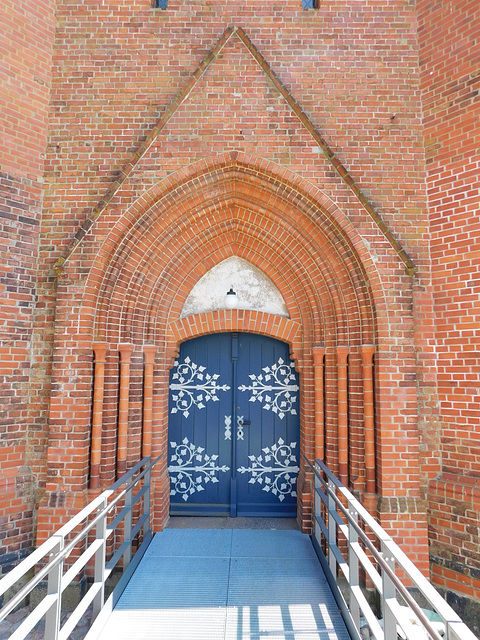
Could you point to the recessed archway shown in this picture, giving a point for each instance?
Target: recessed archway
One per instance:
(301, 242)
(161, 247)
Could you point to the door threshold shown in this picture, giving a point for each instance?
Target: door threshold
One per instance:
(241, 522)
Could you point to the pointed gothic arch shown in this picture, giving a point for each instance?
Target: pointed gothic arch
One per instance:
(163, 244)
(234, 206)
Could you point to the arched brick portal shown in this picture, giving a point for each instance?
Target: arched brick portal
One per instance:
(141, 275)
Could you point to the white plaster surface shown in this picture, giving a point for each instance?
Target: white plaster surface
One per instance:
(254, 290)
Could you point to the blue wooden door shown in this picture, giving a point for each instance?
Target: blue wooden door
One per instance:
(233, 427)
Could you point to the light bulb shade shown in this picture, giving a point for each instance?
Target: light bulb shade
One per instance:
(231, 299)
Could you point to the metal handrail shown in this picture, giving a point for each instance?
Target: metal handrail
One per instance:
(374, 551)
(341, 515)
(57, 551)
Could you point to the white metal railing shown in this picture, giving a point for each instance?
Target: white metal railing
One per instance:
(101, 544)
(348, 540)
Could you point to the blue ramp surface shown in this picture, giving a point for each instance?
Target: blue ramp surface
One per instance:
(195, 584)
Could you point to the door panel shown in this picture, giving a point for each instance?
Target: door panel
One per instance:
(200, 398)
(267, 457)
(233, 427)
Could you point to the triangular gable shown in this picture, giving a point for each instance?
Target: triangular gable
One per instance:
(306, 123)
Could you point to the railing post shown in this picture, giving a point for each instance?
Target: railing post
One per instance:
(127, 527)
(353, 565)
(317, 503)
(332, 529)
(100, 555)
(146, 499)
(54, 587)
(389, 593)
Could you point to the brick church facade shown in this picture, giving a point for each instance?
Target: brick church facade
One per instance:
(335, 150)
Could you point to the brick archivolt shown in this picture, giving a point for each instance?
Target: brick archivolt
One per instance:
(139, 280)
(170, 238)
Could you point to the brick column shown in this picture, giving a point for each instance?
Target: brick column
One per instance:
(342, 403)
(125, 357)
(149, 352)
(368, 416)
(99, 350)
(319, 364)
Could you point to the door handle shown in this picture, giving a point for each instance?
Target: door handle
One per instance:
(240, 424)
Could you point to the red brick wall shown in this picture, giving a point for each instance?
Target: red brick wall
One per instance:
(353, 68)
(26, 39)
(449, 35)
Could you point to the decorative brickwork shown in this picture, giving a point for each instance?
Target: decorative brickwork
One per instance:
(167, 240)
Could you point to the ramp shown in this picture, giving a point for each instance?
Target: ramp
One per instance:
(195, 584)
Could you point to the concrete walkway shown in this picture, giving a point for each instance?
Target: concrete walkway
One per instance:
(235, 584)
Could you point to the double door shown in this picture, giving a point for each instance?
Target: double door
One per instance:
(233, 427)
